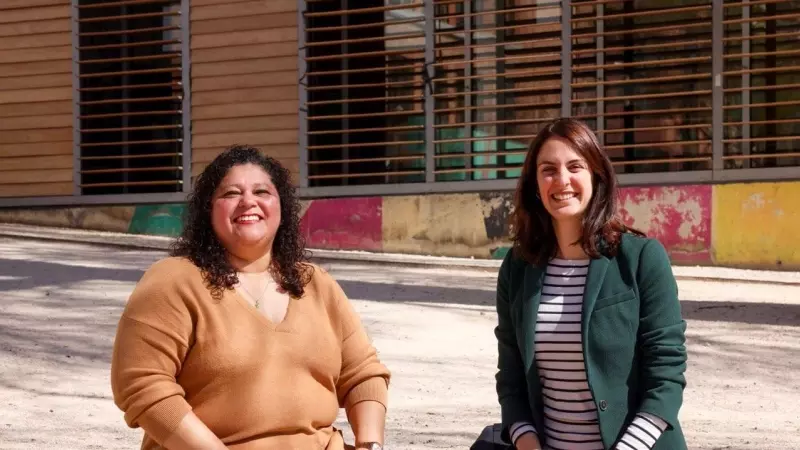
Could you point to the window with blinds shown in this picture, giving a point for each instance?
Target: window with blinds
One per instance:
(411, 91)
(130, 94)
(641, 77)
(762, 84)
(364, 78)
(497, 79)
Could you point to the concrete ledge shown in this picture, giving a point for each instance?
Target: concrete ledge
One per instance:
(704, 273)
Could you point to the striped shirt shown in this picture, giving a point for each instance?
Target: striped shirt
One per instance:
(570, 414)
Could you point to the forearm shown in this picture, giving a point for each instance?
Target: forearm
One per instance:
(524, 436)
(368, 421)
(193, 434)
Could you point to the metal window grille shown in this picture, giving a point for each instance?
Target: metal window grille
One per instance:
(411, 96)
(761, 73)
(130, 83)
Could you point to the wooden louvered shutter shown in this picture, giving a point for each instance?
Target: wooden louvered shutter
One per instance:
(130, 96)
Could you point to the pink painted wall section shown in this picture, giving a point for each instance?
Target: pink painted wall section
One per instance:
(344, 224)
(678, 216)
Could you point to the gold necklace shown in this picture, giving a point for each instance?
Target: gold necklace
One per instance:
(257, 299)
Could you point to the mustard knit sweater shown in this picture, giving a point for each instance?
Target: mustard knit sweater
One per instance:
(255, 384)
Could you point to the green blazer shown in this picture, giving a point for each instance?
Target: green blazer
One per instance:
(633, 341)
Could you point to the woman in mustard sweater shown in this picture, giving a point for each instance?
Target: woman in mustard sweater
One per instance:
(237, 341)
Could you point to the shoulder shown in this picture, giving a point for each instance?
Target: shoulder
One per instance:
(321, 282)
(167, 285)
(644, 254)
(171, 271)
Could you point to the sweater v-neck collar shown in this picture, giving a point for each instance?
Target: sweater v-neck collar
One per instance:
(282, 326)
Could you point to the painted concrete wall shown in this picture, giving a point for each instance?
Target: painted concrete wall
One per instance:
(757, 225)
(753, 225)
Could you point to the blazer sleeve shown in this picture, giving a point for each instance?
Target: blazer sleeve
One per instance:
(661, 335)
(511, 384)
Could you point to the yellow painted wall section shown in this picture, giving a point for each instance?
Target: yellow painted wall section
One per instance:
(757, 224)
(446, 225)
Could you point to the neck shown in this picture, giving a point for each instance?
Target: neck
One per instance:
(251, 265)
(567, 234)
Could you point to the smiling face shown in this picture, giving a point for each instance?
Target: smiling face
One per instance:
(564, 180)
(246, 212)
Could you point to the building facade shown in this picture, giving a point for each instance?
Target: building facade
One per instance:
(405, 122)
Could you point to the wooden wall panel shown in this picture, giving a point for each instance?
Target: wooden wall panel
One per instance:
(244, 79)
(35, 98)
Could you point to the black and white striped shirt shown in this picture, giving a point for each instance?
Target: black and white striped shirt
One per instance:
(570, 415)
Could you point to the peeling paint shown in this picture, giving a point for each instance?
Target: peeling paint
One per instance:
(678, 216)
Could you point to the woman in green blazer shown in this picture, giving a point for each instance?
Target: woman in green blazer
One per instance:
(590, 334)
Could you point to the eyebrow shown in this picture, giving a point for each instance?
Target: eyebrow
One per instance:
(553, 164)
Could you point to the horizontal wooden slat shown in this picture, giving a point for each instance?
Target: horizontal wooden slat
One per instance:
(136, 142)
(226, 139)
(243, 95)
(28, 136)
(132, 183)
(36, 54)
(244, 67)
(36, 122)
(291, 164)
(133, 170)
(257, 22)
(136, 156)
(280, 152)
(410, 5)
(37, 41)
(37, 149)
(35, 95)
(176, 85)
(286, 34)
(35, 14)
(35, 68)
(17, 4)
(240, 52)
(35, 30)
(33, 109)
(35, 189)
(259, 123)
(242, 9)
(35, 162)
(116, 18)
(118, 3)
(36, 176)
(245, 110)
(288, 78)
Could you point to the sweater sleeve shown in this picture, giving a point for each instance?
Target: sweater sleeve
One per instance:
(362, 376)
(151, 343)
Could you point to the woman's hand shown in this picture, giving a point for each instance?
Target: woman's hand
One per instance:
(193, 434)
(528, 441)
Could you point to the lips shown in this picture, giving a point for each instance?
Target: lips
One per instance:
(564, 196)
(247, 218)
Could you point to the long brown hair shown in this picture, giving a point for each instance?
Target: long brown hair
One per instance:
(532, 231)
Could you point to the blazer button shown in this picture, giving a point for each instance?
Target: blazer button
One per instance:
(603, 405)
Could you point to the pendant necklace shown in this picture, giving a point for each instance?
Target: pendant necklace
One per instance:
(257, 299)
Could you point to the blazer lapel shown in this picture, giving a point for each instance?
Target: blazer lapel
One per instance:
(594, 280)
(531, 297)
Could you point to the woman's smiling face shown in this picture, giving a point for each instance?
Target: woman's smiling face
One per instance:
(564, 180)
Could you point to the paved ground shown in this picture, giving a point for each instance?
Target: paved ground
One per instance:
(59, 305)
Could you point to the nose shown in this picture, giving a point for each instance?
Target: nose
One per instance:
(247, 199)
(562, 178)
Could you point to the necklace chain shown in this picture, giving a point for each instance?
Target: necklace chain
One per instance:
(257, 299)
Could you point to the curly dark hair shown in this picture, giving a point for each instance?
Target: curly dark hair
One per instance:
(532, 227)
(199, 243)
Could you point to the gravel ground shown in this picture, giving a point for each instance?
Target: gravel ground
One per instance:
(60, 302)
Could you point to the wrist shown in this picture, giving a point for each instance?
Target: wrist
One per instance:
(369, 446)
